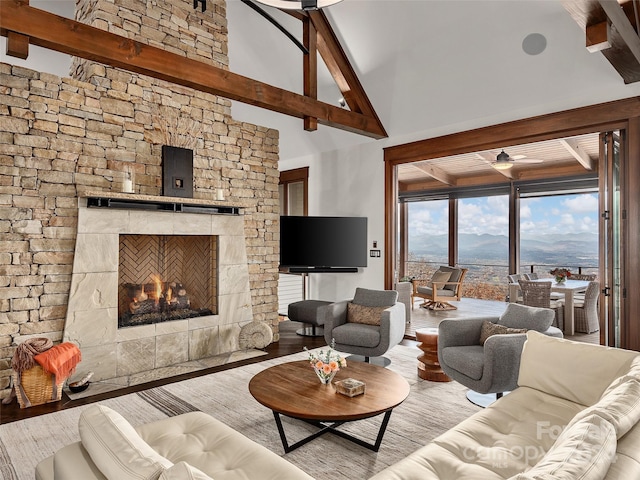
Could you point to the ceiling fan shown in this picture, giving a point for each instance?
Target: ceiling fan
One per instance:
(503, 161)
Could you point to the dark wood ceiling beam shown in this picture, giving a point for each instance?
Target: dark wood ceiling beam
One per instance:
(622, 25)
(598, 37)
(340, 67)
(310, 69)
(612, 42)
(17, 45)
(74, 38)
(528, 130)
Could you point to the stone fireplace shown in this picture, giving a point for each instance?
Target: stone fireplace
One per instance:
(191, 249)
(101, 132)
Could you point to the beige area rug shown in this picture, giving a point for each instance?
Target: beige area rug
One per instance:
(430, 409)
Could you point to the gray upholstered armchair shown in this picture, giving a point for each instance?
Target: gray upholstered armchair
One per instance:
(368, 325)
(494, 366)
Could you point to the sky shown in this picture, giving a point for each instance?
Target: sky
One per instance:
(538, 216)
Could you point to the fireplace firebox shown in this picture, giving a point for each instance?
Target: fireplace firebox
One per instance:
(166, 277)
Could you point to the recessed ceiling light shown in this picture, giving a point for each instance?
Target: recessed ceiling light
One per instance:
(534, 44)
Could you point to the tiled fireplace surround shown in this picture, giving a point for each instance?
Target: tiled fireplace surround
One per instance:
(133, 355)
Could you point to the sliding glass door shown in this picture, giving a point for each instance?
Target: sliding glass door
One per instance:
(611, 239)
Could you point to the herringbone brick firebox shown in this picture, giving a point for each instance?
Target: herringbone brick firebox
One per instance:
(166, 277)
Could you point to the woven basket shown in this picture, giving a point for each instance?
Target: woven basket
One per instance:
(38, 386)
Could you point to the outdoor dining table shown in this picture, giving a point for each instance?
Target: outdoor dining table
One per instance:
(568, 287)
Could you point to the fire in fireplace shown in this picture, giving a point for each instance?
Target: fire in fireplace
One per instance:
(166, 277)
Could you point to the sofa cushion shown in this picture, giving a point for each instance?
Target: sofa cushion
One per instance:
(116, 448)
(440, 277)
(633, 372)
(580, 373)
(442, 292)
(363, 314)
(620, 407)
(184, 471)
(583, 451)
(216, 449)
(357, 334)
(489, 329)
(498, 442)
(456, 273)
(524, 316)
(468, 359)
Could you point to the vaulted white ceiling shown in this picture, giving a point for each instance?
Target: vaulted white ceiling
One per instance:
(430, 67)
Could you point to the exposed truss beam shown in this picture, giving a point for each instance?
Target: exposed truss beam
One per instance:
(577, 152)
(310, 69)
(17, 45)
(619, 44)
(340, 67)
(74, 38)
(623, 25)
(436, 173)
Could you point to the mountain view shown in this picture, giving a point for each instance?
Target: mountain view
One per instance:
(571, 249)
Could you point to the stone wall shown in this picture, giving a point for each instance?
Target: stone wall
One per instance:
(62, 137)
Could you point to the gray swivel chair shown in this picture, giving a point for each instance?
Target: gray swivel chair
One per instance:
(363, 340)
(491, 368)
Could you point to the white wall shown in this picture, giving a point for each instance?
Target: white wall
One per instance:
(348, 182)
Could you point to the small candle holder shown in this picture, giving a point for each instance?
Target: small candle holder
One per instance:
(127, 182)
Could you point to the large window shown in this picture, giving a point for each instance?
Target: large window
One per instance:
(483, 245)
(428, 237)
(559, 231)
(557, 226)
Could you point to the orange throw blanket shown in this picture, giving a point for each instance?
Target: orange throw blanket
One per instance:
(60, 360)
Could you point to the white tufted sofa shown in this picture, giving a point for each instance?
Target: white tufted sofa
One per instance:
(192, 446)
(573, 416)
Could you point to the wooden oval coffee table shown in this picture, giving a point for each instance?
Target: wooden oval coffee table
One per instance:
(293, 389)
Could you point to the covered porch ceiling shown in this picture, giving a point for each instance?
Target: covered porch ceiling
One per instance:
(569, 156)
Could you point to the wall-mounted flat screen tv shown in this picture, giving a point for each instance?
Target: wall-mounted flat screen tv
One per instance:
(323, 243)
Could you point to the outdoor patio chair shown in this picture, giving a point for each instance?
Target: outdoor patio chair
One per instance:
(538, 294)
(513, 278)
(586, 311)
(443, 287)
(589, 277)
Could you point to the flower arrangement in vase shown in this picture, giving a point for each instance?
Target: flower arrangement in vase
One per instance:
(326, 363)
(561, 274)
